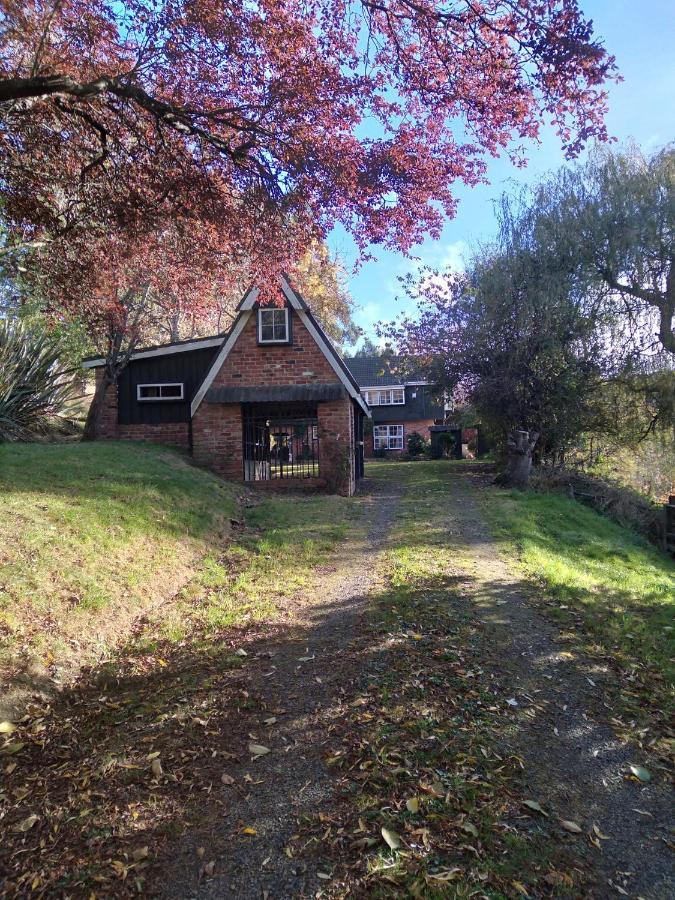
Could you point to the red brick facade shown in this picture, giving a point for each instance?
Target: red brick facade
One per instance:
(217, 440)
(217, 427)
(421, 427)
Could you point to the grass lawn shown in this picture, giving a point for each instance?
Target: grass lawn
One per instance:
(93, 535)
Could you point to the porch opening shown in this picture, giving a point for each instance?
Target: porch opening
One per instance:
(280, 441)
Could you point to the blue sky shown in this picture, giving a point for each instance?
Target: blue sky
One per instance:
(642, 37)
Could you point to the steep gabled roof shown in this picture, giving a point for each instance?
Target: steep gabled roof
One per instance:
(296, 302)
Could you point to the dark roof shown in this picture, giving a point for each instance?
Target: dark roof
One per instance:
(275, 393)
(378, 371)
(178, 344)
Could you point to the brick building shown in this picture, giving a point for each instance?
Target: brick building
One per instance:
(400, 403)
(269, 402)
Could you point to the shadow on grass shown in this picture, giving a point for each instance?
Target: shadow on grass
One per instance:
(118, 767)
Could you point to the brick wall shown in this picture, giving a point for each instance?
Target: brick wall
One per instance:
(300, 363)
(217, 427)
(336, 448)
(421, 427)
(217, 439)
(108, 425)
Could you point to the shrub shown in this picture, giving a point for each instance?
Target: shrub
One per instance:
(35, 386)
(417, 445)
(447, 441)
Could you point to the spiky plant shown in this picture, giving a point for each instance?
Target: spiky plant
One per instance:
(35, 384)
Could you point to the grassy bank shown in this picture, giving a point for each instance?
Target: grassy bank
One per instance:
(94, 535)
(131, 754)
(611, 590)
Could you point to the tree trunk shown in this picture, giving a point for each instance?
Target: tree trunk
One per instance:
(95, 414)
(516, 474)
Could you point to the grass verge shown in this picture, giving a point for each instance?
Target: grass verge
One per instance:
(607, 587)
(93, 533)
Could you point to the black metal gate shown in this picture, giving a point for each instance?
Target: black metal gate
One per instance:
(280, 441)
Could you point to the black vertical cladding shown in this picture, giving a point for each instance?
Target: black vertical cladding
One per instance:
(358, 441)
(188, 368)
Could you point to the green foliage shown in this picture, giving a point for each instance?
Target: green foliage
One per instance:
(367, 348)
(447, 442)
(417, 445)
(35, 384)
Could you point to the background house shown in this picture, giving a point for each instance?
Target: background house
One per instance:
(399, 405)
(270, 402)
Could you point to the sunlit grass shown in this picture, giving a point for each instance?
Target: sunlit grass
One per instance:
(623, 588)
(92, 533)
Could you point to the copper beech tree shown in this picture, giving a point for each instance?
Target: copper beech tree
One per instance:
(118, 287)
(275, 120)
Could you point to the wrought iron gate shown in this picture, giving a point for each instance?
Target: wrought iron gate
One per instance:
(280, 441)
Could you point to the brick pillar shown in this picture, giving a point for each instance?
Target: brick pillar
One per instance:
(108, 428)
(217, 439)
(336, 436)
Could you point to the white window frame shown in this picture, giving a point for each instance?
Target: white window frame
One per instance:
(273, 309)
(160, 385)
(389, 396)
(392, 435)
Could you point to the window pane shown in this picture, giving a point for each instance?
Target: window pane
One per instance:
(398, 396)
(172, 390)
(273, 325)
(149, 390)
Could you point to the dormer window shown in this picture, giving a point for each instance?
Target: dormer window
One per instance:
(273, 326)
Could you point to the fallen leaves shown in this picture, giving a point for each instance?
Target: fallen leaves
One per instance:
(536, 806)
(26, 824)
(258, 750)
(570, 826)
(391, 838)
(641, 773)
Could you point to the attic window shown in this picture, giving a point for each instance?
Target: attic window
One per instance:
(159, 391)
(273, 326)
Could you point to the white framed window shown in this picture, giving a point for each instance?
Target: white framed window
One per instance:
(170, 391)
(273, 326)
(385, 396)
(388, 437)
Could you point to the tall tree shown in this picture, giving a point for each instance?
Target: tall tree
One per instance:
(276, 120)
(517, 342)
(322, 279)
(614, 220)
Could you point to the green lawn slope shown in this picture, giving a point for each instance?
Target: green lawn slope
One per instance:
(92, 535)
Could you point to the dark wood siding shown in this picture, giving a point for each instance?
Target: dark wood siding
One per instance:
(188, 367)
(413, 410)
